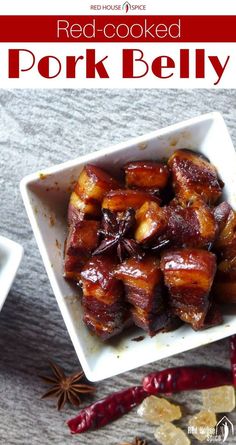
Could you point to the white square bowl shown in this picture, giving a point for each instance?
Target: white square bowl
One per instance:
(10, 257)
(46, 196)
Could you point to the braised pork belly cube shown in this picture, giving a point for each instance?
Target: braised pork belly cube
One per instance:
(192, 226)
(142, 280)
(146, 175)
(105, 310)
(151, 221)
(144, 291)
(192, 174)
(207, 225)
(224, 287)
(200, 319)
(92, 185)
(151, 322)
(225, 244)
(73, 266)
(191, 315)
(123, 199)
(105, 330)
(79, 210)
(213, 317)
(83, 238)
(81, 241)
(188, 274)
(221, 214)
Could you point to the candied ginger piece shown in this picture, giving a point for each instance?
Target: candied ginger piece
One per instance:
(202, 425)
(157, 410)
(169, 434)
(220, 399)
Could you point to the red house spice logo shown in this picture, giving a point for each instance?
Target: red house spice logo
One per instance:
(125, 7)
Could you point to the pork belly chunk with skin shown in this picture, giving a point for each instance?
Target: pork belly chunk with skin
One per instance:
(92, 185)
(105, 310)
(221, 214)
(225, 244)
(82, 240)
(200, 319)
(192, 226)
(79, 210)
(146, 175)
(143, 283)
(224, 288)
(151, 221)
(194, 175)
(123, 199)
(213, 317)
(189, 274)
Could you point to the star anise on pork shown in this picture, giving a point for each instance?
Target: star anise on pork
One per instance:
(116, 230)
(66, 389)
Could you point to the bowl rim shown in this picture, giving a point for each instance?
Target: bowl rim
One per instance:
(117, 147)
(15, 253)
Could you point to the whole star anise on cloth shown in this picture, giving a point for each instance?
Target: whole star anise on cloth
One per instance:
(66, 389)
(115, 229)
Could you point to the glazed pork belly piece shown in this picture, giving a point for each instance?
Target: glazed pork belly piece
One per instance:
(192, 226)
(85, 201)
(175, 225)
(146, 175)
(225, 247)
(105, 311)
(123, 199)
(143, 283)
(151, 221)
(200, 319)
(82, 239)
(224, 287)
(188, 274)
(194, 175)
(221, 214)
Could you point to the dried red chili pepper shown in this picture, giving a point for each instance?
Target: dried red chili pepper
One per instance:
(232, 342)
(170, 380)
(186, 378)
(106, 410)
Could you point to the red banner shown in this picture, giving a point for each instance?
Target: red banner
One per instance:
(117, 28)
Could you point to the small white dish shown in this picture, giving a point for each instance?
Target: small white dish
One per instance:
(10, 257)
(46, 195)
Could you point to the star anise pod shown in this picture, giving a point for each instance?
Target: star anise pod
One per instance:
(115, 229)
(65, 388)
